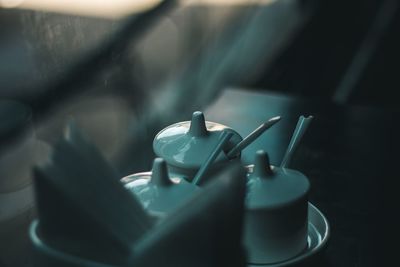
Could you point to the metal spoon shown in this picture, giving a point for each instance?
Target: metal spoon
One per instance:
(301, 127)
(252, 136)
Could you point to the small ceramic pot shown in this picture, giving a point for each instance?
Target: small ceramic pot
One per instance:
(276, 219)
(158, 193)
(185, 146)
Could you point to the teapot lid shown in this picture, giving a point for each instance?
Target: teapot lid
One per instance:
(157, 191)
(187, 144)
(273, 187)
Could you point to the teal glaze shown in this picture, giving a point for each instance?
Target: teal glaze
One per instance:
(317, 240)
(158, 193)
(272, 187)
(253, 136)
(276, 223)
(302, 125)
(48, 256)
(290, 185)
(186, 145)
(215, 152)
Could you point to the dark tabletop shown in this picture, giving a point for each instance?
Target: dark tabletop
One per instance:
(348, 153)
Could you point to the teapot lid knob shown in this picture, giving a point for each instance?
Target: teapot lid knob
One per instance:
(262, 167)
(198, 124)
(160, 175)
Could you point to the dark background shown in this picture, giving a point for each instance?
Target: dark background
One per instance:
(320, 47)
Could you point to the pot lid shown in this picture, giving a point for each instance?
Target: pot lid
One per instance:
(157, 191)
(273, 187)
(187, 144)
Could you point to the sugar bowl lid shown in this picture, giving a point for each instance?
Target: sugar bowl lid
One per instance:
(274, 187)
(158, 192)
(187, 144)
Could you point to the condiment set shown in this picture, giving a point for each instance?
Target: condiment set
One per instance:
(197, 195)
(277, 226)
(87, 217)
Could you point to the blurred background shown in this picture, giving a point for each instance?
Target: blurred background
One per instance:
(125, 69)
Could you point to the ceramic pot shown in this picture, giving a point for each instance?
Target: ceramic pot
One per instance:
(276, 219)
(186, 145)
(158, 193)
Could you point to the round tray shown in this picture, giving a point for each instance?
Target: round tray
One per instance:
(318, 235)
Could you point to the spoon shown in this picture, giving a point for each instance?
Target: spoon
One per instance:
(301, 127)
(252, 136)
(223, 139)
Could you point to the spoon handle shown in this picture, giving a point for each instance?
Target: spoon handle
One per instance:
(301, 127)
(224, 138)
(252, 136)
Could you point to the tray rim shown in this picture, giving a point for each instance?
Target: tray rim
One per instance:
(315, 216)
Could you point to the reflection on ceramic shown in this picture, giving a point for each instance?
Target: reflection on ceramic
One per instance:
(186, 145)
(276, 212)
(158, 193)
(201, 173)
(317, 239)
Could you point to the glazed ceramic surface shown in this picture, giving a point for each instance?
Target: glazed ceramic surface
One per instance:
(276, 213)
(158, 193)
(285, 186)
(186, 145)
(318, 233)
(157, 199)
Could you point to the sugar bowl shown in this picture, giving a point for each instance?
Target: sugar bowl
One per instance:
(186, 145)
(157, 191)
(276, 218)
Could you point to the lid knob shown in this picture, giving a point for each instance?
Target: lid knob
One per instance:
(160, 173)
(262, 167)
(198, 124)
